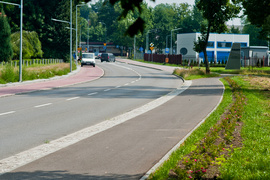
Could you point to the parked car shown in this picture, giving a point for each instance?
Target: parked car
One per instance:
(88, 59)
(98, 56)
(109, 57)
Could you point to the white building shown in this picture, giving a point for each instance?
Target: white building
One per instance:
(219, 45)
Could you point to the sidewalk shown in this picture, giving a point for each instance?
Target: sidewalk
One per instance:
(128, 150)
(80, 75)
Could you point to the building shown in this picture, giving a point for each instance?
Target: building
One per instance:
(255, 56)
(218, 49)
(98, 47)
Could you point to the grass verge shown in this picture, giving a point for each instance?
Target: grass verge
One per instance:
(190, 144)
(11, 74)
(246, 158)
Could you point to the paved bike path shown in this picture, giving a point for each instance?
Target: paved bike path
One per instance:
(81, 75)
(130, 149)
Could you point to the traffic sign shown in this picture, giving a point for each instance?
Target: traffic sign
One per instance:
(167, 50)
(151, 44)
(141, 49)
(104, 47)
(152, 48)
(104, 44)
(79, 49)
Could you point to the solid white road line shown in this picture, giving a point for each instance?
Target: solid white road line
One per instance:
(107, 90)
(92, 94)
(10, 112)
(42, 105)
(72, 98)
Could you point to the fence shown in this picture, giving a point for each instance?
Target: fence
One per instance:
(160, 58)
(254, 61)
(33, 62)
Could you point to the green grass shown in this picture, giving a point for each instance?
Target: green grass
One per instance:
(252, 161)
(11, 74)
(196, 136)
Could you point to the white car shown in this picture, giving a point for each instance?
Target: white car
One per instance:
(88, 59)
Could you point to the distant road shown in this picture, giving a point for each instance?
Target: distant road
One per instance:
(31, 119)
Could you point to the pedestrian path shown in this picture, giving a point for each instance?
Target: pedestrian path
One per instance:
(81, 75)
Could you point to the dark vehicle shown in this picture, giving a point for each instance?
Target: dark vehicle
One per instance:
(109, 57)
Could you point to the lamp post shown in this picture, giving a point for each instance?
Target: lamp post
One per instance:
(70, 27)
(147, 39)
(76, 50)
(171, 38)
(21, 34)
(167, 40)
(105, 32)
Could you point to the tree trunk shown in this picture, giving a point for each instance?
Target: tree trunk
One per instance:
(207, 68)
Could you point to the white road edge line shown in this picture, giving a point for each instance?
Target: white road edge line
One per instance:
(28, 156)
(6, 113)
(42, 105)
(107, 90)
(92, 94)
(73, 98)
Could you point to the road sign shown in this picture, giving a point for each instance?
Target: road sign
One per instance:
(167, 50)
(104, 47)
(79, 49)
(85, 49)
(141, 49)
(74, 55)
(152, 48)
(151, 44)
(149, 52)
(104, 44)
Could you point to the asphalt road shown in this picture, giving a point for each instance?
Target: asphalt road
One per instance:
(30, 119)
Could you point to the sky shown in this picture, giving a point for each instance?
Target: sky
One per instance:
(236, 21)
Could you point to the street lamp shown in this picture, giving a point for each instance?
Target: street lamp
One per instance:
(171, 38)
(70, 27)
(105, 31)
(167, 40)
(76, 50)
(21, 35)
(147, 38)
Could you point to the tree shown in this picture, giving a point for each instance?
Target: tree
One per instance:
(5, 45)
(216, 12)
(31, 45)
(254, 34)
(257, 12)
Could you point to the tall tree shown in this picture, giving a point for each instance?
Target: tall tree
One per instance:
(216, 12)
(5, 45)
(258, 13)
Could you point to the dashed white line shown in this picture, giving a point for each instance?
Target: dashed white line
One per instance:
(6, 113)
(133, 82)
(92, 94)
(42, 105)
(72, 98)
(107, 90)
(126, 84)
(118, 86)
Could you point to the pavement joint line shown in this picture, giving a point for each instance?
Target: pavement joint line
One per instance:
(167, 156)
(42, 105)
(6, 113)
(72, 98)
(13, 162)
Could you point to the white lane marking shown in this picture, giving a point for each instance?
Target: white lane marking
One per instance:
(42, 105)
(92, 94)
(107, 90)
(126, 84)
(133, 82)
(23, 158)
(6, 113)
(118, 86)
(72, 98)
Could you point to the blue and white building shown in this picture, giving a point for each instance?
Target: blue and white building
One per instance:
(218, 49)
